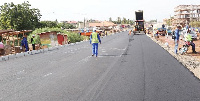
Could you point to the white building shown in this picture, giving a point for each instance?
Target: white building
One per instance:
(184, 14)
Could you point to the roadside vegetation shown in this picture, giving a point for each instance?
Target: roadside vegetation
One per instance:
(23, 17)
(122, 21)
(73, 37)
(195, 23)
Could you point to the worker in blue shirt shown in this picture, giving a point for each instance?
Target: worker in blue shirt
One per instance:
(177, 35)
(95, 39)
(24, 43)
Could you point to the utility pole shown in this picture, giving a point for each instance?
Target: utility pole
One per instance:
(84, 22)
(191, 13)
(103, 25)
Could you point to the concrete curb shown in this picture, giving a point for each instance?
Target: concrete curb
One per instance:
(72, 44)
(19, 55)
(45, 49)
(61, 46)
(77, 43)
(66, 45)
(12, 56)
(4, 58)
(27, 53)
(33, 52)
(50, 49)
(1, 59)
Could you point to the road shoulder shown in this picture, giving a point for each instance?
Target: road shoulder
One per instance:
(190, 62)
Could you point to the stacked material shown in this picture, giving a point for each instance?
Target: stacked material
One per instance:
(17, 49)
(8, 49)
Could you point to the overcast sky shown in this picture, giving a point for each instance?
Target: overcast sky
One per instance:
(63, 10)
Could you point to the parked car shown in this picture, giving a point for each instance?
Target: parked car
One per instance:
(193, 34)
(169, 30)
(162, 31)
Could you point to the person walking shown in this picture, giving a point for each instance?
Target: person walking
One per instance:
(177, 35)
(95, 39)
(33, 42)
(130, 32)
(24, 43)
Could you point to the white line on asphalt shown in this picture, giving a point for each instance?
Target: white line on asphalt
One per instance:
(48, 74)
(109, 56)
(118, 49)
(85, 59)
(20, 72)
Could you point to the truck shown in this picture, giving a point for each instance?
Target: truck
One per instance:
(139, 22)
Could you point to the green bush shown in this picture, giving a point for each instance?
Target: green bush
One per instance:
(74, 37)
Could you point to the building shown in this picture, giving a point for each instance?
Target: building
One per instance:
(74, 23)
(103, 24)
(184, 14)
(169, 22)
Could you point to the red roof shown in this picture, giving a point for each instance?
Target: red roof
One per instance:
(100, 24)
(72, 22)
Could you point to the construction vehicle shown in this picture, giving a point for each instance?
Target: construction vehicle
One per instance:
(139, 22)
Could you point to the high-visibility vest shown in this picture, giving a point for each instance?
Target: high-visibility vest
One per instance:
(189, 37)
(95, 37)
(33, 42)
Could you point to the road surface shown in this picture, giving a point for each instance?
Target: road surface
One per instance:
(128, 68)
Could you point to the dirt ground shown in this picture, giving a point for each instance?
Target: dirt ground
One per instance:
(170, 41)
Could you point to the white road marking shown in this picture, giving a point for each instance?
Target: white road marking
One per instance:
(20, 72)
(85, 59)
(48, 74)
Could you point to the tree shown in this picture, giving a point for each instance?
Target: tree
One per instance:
(195, 24)
(128, 22)
(152, 21)
(132, 22)
(115, 22)
(50, 24)
(66, 26)
(19, 17)
(110, 19)
(55, 24)
(119, 20)
(124, 21)
(168, 22)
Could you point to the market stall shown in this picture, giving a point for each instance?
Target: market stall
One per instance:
(48, 39)
(11, 41)
(62, 39)
(4, 47)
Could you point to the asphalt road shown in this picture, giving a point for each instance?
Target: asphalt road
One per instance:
(128, 68)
